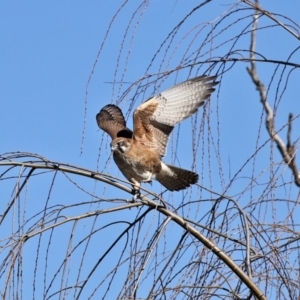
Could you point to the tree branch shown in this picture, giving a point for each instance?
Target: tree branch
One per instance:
(258, 8)
(287, 152)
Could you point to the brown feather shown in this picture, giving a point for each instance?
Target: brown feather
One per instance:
(155, 118)
(136, 163)
(143, 131)
(176, 179)
(111, 120)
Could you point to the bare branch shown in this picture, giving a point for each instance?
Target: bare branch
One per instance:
(257, 7)
(287, 152)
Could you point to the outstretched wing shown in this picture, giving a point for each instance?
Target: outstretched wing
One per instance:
(155, 119)
(111, 120)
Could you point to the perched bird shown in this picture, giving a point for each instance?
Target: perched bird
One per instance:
(138, 154)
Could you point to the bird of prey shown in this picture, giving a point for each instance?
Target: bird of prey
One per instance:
(138, 153)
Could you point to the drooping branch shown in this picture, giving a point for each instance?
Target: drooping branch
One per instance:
(287, 151)
(272, 17)
(179, 220)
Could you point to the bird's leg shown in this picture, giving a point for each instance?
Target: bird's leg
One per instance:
(136, 194)
(135, 190)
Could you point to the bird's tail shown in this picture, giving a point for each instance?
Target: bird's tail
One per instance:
(176, 179)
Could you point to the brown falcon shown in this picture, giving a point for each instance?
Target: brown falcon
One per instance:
(138, 154)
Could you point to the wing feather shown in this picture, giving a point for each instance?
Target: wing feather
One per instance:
(111, 120)
(144, 131)
(155, 118)
(184, 99)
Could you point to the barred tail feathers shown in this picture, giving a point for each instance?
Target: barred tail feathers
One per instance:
(176, 179)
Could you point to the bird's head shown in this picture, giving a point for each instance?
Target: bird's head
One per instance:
(121, 145)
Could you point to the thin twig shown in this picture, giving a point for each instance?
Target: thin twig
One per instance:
(157, 238)
(270, 15)
(287, 152)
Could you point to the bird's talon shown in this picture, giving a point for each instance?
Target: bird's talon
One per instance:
(136, 195)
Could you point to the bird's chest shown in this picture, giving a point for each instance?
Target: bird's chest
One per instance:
(139, 164)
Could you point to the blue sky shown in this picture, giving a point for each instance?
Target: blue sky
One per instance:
(47, 53)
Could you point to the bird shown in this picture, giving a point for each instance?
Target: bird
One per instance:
(138, 153)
